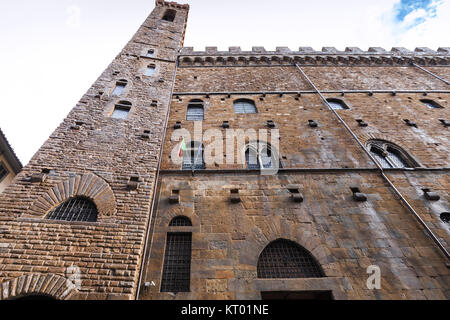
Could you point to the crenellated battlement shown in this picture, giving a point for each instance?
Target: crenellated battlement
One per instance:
(307, 55)
(325, 50)
(171, 4)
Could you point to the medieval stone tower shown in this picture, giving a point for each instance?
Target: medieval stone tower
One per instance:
(349, 181)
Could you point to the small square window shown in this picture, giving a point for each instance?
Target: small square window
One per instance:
(150, 53)
(120, 112)
(150, 70)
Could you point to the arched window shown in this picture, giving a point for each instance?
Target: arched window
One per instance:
(260, 155)
(195, 110)
(75, 209)
(176, 275)
(390, 155)
(180, 221)
(169, 15)
(193, 156)
(431, 104)
(286, 259)
(120, 86)
(121, 110)
(150, 70)
(244, 106)
(337, 104)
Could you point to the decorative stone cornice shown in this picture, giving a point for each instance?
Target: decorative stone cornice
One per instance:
(375, 56)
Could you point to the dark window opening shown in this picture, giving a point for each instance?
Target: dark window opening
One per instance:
(431, 104)
(177, 263)
(445, 216)
(286, 259)
(169, 15)
(3, 171)
(75, 209)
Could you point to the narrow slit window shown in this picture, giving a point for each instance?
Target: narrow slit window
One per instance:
(121, 110)
(176, 275)
(3, 171)
(150, 71)
(120, 87)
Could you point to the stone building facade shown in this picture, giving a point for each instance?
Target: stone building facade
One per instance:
(362, 142)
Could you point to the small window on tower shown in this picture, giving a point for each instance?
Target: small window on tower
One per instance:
(150, 70)
(150, 53)
(3, 171)
(120, 86)
(337, 104)
(169, 15)
(431, 104)
(121, 110)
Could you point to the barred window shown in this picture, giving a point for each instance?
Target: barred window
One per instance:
(3, 171)
(244, 106)
(121, 110)
(75, 209)
(120, 86)
(390, 155)
(431, 104)
(195, 110)
(180, 221)
(286, 259)
(337, 104)
(176, 275)
(193, 156)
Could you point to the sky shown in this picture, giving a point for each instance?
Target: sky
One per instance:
(51, 51)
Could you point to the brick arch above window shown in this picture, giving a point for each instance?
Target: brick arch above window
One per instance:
(85, 185)
(36, 284)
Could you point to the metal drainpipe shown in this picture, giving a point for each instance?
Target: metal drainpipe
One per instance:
(397, 192)
(430, 73)
(155, 186)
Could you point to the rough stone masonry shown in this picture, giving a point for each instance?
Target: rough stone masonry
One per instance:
(395, 102)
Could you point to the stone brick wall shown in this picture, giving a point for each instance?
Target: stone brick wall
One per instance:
(324, 162)
(94, 155)
(344, 236)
